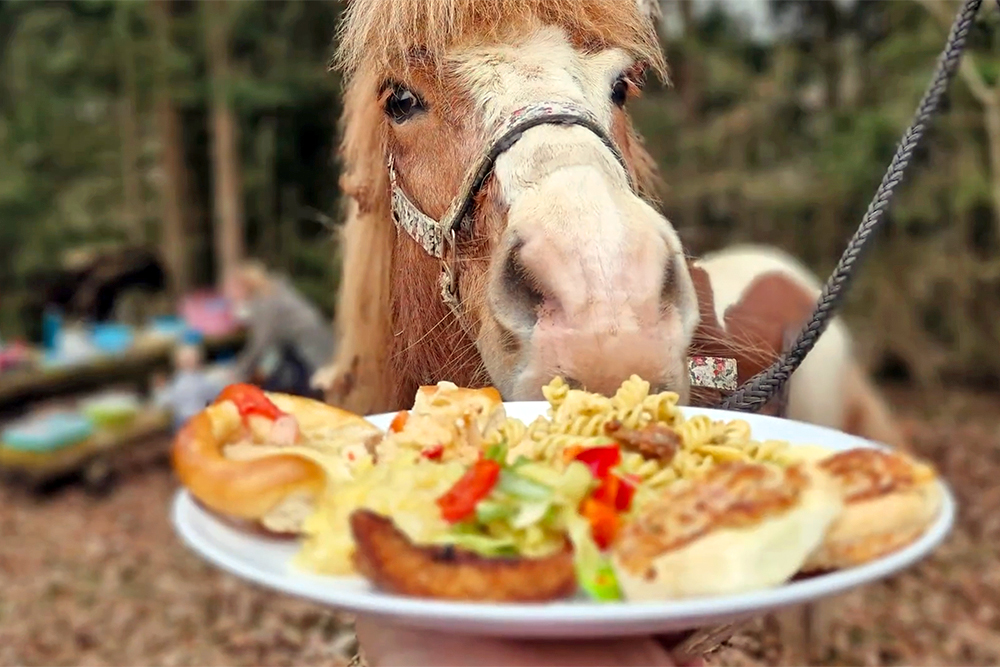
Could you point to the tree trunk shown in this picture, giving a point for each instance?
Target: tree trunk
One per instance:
(267, 147)
(228, 191)
(174, 191)
(691, 91)
(133, 204)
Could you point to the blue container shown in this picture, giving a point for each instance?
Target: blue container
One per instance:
(192, 337)
(51, 326)
(112, 338)
(49, 433)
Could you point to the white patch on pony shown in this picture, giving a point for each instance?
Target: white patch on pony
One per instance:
(544, 67)
(817, 389)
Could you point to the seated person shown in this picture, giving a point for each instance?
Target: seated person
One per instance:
(190, 389)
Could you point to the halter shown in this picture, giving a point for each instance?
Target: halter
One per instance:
(438, 238)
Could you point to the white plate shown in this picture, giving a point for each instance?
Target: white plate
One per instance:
(267, 562)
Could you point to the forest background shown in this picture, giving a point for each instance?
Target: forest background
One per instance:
(208, 130)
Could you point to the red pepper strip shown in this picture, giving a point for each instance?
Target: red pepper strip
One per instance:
(399, 421)
(600, 460)
(607, 491)
(250, 400)
(433, 453)
(604, 521)
(460, 501)
(626, 489)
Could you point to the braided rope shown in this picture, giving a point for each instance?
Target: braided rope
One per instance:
(759, 389)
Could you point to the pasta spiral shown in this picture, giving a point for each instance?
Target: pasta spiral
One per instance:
(577, 419)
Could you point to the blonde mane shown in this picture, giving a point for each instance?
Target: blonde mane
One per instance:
(377, 39)
(386, 35)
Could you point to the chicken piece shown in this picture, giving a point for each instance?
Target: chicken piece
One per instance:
(387, 557)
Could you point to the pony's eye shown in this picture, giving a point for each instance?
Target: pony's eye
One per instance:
(402, 104)
(619, 91)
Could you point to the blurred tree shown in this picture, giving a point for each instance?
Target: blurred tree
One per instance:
(986, 94)
(132, 210)
(228, 195)
(173, 172)
(779, 141)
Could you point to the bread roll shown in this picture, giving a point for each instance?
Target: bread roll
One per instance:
(889, 500)
(742, 527)
(241, 477)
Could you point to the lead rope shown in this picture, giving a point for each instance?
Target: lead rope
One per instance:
(758, 390)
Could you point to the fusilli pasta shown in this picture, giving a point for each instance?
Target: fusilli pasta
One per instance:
(577, 419)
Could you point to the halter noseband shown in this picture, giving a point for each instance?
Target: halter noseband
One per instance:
(438, 237)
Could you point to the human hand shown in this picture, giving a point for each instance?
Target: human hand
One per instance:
(388, 646)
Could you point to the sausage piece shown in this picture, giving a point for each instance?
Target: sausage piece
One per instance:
(653, 441)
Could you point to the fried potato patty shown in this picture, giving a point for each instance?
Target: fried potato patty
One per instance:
(387, 557)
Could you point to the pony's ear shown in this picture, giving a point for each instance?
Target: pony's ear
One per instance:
(649, 8)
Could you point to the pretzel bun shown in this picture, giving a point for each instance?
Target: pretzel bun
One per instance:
(741, 527)
(273, 485)
(890, 499)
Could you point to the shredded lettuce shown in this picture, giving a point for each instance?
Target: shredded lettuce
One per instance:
(514, 484)
(492, 510)
(485, 545)
(531, 513)
(530, 510)
(594, 572)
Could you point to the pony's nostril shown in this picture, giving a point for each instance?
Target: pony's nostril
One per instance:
(521, 296)
(573, 383)
(668, 284)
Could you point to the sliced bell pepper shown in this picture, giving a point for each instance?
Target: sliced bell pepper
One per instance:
(626, 490)
(250, 400)
(433, 453)
(460, 501)
(600, 460)
(617, 491)
(604, 521)
(399, 421)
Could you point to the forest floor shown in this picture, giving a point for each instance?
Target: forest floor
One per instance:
(89, 581)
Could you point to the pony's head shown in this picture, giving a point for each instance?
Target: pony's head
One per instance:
(500, 199)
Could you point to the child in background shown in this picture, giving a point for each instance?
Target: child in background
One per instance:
(191, 388)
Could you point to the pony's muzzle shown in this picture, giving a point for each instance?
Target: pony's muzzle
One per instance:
(597, 311)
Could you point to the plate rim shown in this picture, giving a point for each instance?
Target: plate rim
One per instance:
(563, 613)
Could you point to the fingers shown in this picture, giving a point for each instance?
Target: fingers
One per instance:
(388, 646)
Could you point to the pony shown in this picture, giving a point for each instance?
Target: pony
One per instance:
(501, 223)
(562, 263)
